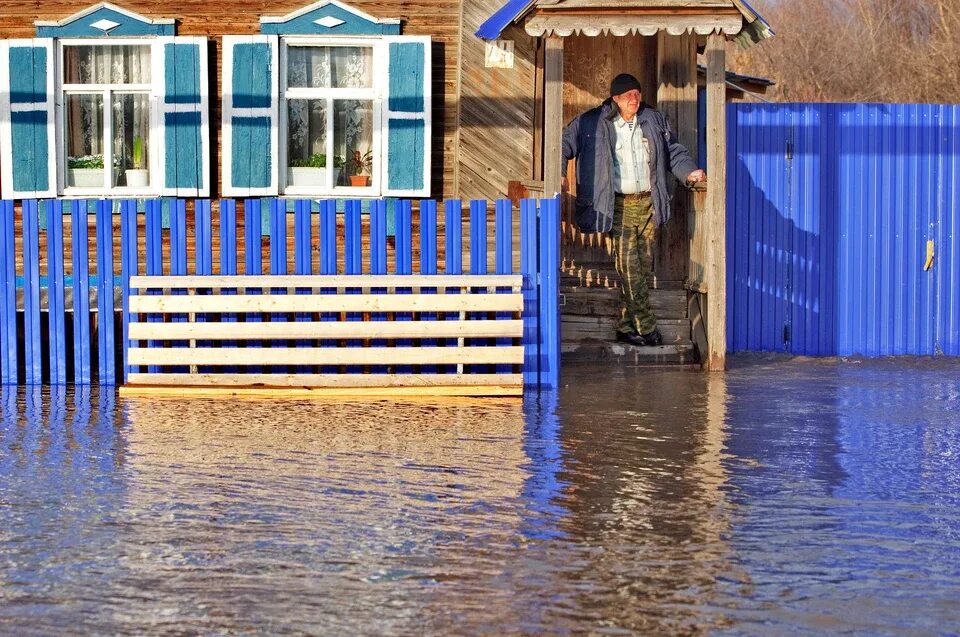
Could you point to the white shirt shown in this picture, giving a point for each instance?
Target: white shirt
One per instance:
(631, 163)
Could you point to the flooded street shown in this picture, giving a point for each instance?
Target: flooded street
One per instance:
(787, 497)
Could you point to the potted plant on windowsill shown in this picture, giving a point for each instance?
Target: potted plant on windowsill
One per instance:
(311, 171)
(359, 166)
(85, 171)
(137, 177)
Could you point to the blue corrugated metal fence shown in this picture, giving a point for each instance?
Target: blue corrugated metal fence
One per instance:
(830, 211)
(538, 247)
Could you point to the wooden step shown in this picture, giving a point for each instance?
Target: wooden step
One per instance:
(604, 275)
(603, 328)
(619, 354)
(605, 302)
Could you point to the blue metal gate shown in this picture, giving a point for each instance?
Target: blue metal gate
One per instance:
(833, 210)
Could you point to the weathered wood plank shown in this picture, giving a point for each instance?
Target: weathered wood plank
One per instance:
(329, 303)
(574, 328)
(487, 281)
(328, 380)
(716, 203)
(666, 304)
(509, 328)
(496, 108)
(552, 115)
(328, 356)
(432, 393)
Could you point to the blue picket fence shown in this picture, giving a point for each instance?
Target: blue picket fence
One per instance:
(34, 355)
(833, 211)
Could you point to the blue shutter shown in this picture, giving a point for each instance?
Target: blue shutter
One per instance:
(184, 114)
(250, 115)
(407, 117)
(27, 151)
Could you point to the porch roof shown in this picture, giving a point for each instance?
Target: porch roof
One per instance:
(734, 18)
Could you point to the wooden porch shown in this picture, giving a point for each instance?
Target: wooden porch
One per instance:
(580, 46)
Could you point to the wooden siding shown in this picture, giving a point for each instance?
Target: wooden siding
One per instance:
(436, 18)
(496, 110)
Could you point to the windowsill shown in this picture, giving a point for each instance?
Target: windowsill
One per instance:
(86, 193)
(339, 193)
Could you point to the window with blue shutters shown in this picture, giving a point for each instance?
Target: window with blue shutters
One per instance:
(126, 105)
(348, 113)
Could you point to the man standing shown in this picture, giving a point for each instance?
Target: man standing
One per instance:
(624, 149)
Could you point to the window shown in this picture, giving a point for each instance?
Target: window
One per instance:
(106, 96)
(306, 115)
(331, 116)
(93, 114)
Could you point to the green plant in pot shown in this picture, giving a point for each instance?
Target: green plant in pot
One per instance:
(310, 171)
(85, 171)
(359, 165)
(137, 175)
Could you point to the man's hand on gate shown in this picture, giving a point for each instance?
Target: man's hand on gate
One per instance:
(696, 177)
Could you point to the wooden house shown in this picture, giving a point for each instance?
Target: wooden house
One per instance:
(418, 99)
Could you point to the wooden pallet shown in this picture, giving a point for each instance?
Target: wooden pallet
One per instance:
(339, 335)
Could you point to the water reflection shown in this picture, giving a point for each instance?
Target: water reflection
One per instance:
(804, 497)
(325, 512)
(646, 501)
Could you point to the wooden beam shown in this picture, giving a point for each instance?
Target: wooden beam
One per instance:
(318, 281)
(325, 380)
(431, 393)
(716, 203)
(553, 115)
(482, 355)
(538, 88)
(476, 328)
(328, 303)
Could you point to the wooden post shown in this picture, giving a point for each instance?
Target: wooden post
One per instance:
(677, 100)
(716, 203)
(677, 85)
(553, 115)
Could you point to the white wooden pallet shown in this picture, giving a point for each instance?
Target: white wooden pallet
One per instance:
(346, 335)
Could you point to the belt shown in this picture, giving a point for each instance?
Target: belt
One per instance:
(634, 197)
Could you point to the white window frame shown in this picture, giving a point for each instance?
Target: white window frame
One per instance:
(154, 92)
(376, 94)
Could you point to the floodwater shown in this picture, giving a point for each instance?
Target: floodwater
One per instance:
(785, 497)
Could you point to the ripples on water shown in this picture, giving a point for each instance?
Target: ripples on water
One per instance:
(800, 497)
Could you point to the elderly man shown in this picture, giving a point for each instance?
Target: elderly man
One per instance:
(624, 149)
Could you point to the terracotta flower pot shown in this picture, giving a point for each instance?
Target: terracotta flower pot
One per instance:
(360, 181)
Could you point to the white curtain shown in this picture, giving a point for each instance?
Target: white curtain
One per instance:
(307, 67)
(325, 67)
(114, 65)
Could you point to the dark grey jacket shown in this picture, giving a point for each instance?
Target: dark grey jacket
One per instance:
(590, 138)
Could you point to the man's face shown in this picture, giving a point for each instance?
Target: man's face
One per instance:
(628, 103)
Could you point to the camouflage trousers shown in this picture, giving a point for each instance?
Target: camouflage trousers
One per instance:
(633, 234)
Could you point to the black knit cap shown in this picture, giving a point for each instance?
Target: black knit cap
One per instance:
(623, 83)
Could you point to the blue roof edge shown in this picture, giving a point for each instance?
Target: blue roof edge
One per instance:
(493, 26)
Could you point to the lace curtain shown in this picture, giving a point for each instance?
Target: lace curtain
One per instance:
(319, 68)
(115, 65)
